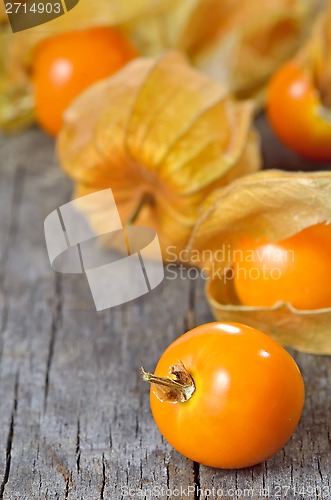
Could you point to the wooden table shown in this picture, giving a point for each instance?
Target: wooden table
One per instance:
(75, 421)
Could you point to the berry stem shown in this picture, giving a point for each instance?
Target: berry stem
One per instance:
(178, 389)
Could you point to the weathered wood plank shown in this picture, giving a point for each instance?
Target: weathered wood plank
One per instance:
(28, 286)
(76, 429)
(75, 419)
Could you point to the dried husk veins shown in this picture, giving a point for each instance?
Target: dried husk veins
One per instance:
(275, 205)
(162, 129)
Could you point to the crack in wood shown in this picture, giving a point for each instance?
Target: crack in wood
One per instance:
(40, 484)
(103, 484)
(196, 478)
(66, 493)
(291, 474)
(54, 329)
(78, 450)
(168, 475)
(110, 439)
(136, 430)
(319, 469)
(10, 441)
(236, 479)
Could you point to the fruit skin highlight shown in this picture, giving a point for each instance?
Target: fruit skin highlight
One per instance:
(297, 114)
(244, 395)
(296, 270)
(66, 64)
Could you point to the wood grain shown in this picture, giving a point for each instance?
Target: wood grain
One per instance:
(75, 420)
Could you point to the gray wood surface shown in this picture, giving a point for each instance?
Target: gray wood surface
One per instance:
(75, 421)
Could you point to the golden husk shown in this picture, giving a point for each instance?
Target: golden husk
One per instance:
(158, 130)
(306, 331)
(314, 56)
(225, 39)
(275, 205)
